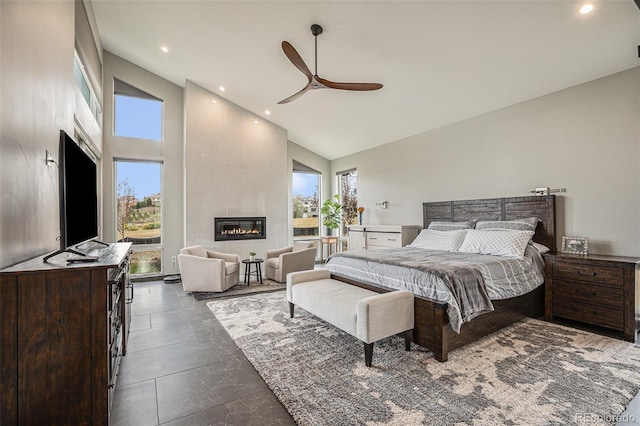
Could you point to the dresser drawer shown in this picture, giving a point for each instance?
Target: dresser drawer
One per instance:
(590, 293)
(588, 273)
(603, 316)
(384, 239)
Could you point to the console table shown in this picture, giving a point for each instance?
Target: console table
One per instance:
(63, 330)
(374, 237)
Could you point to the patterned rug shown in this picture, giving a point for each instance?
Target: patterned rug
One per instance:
(532, 372)
(241, 289)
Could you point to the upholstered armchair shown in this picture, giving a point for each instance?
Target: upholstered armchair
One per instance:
(301, 256)
(206, 270)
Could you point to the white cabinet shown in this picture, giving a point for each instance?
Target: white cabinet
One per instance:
(374, 237)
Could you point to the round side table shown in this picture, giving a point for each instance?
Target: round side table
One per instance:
(257, 272)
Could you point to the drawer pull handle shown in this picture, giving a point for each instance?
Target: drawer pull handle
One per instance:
(593, 274)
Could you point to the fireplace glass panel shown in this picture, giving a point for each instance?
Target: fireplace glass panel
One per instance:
(240, 228)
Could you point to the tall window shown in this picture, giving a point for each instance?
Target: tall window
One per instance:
(348, 182)
(306, 202)
(137, 114)
(139, 213)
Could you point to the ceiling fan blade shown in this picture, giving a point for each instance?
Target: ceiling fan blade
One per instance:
(295, 59)
(350, 86)
(296, 95)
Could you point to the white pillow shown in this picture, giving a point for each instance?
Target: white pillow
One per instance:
(499, 242)
(542, 249)
(439, 240)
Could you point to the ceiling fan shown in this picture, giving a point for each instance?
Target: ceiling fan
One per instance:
(316, 82)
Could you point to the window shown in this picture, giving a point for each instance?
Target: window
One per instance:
(139, 213)
(306, 202)
(348, 182)
(87, 91)
(137, 114)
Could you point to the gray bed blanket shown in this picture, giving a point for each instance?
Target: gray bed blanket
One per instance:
(465, 281)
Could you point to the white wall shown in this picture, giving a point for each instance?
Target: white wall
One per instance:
(585, 138)
(233, 167)
(169, 151)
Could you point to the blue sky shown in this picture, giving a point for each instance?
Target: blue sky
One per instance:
(304, 184)
(138, 118)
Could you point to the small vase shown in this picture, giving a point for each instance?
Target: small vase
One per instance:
(252, 258)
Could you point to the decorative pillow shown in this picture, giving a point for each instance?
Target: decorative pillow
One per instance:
(439, 240)
(542, 249)
(450, 226)
(499, 242)
(526, 224)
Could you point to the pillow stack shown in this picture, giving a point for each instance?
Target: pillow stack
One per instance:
(507, 238)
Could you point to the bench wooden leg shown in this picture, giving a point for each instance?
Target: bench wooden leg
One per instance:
(408, 337)
(291, 306)
(368, 354)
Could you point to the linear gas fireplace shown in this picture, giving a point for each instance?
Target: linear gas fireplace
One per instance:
(240, 228)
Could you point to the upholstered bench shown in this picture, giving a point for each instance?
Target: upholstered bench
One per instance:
(365, 314)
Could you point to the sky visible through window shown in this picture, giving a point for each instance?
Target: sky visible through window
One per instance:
(143, 177)
(138, 118)
(304, 184)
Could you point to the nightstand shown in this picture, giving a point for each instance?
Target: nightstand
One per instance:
(594, 289)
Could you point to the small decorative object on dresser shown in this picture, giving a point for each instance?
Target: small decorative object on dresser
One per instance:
(575, 245)
(594, 289)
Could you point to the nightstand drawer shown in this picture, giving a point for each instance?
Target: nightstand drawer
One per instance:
(595, 294)
(589, 273)
(384, 239)
(603, 316)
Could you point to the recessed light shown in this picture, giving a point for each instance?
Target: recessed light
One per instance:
(214, 101)
(165, 49)
(587, 8)
(221, 88)
(267, 112)
(255, 121)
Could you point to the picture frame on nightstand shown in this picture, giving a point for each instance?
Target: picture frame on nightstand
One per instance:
(575, 245)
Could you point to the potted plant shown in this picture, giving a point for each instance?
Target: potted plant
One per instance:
(252, 256)
(330, 211)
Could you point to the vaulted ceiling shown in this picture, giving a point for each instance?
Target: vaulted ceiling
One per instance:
(439, 61)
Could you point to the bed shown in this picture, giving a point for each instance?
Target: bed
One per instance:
(433, 327)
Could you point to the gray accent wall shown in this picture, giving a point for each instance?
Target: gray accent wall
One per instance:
(233, 167)
(169, 151)
(38, 98)
(585, 138)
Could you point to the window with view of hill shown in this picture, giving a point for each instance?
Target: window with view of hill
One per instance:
(306, 202)
(139, 213)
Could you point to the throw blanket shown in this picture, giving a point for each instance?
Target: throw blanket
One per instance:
(464, 281)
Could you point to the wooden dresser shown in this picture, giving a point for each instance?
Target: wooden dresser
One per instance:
(372, 237)
(62, 333)
(595, 289)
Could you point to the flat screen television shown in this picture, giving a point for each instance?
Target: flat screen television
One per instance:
(78, 196)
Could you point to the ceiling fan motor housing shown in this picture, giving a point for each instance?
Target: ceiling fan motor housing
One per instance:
(316, 30)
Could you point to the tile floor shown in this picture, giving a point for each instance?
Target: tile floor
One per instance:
(182, 368)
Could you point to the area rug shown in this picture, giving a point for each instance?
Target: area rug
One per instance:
(240, 289)
(532, 372)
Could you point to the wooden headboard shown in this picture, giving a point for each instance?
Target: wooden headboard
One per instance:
(540, 206)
